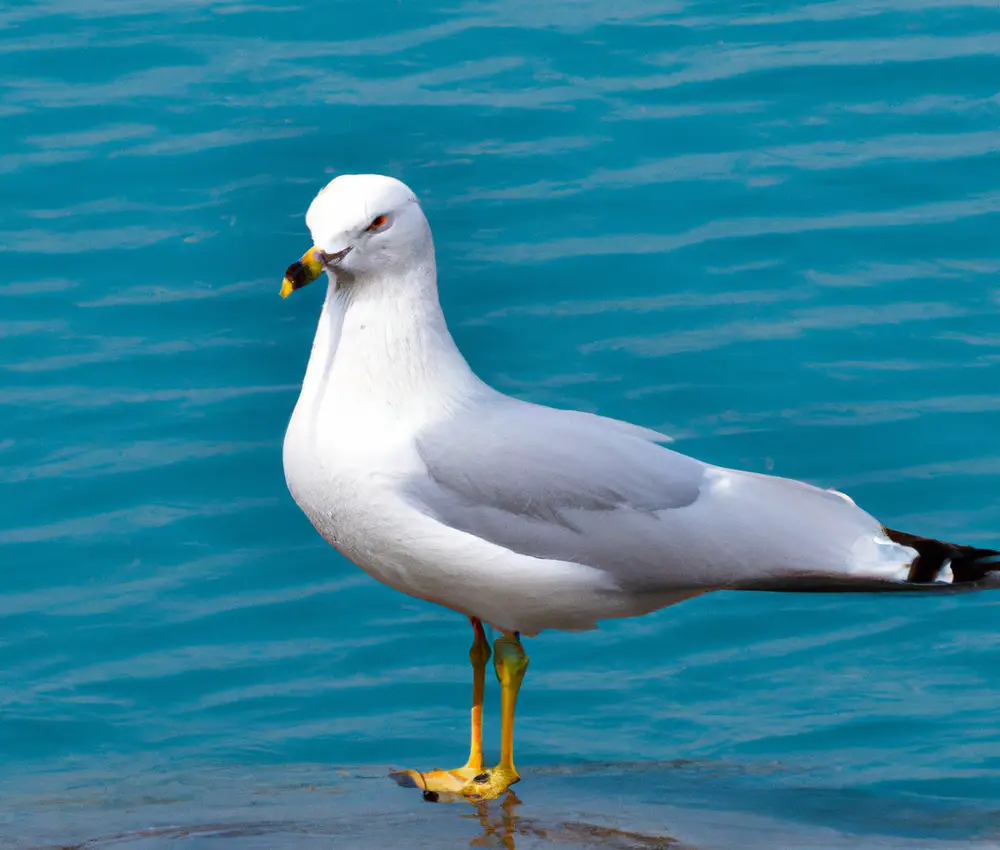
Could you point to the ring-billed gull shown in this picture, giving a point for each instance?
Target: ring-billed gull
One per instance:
(521, 516)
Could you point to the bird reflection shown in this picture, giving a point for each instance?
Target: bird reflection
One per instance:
(502, 826)
(498, 831)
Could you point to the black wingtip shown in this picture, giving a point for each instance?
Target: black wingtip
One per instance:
(968, 564)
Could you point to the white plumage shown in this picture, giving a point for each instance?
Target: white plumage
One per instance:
(523, 516)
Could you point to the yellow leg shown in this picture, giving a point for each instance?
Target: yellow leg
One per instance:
(479, 654)
(510, 663)
(451, 782)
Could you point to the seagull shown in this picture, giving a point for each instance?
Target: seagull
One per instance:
(524, 517)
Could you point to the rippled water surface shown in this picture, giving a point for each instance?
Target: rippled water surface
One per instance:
(769, 229)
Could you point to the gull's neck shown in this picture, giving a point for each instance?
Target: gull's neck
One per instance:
(383, 356)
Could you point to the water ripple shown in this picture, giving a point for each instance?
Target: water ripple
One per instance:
(768, 231)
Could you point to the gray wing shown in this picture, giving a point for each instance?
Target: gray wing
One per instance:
(576, 487)
(554, 483)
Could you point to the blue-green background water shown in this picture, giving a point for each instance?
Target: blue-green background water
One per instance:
(769, 229)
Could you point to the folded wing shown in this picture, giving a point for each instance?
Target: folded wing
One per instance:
(562, 485)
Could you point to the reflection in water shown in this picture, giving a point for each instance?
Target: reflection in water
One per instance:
(503, 824)
(594, 805)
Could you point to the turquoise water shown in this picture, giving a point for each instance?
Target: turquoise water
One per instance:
(769, 230)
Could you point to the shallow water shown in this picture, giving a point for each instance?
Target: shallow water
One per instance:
(767, 229)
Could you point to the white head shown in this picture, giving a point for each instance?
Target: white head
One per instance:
(363, 226)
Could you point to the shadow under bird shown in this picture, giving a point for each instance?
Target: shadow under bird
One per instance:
(527, 517)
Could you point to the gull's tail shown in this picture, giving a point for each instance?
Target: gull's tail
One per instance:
(938, 561)
(937, 566)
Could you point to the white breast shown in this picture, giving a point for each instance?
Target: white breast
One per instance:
(380, 372)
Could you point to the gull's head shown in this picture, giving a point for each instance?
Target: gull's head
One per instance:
(362, 225)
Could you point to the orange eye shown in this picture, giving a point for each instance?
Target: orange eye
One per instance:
(377, 222)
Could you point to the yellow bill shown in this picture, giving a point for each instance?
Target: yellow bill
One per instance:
(302, 273)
